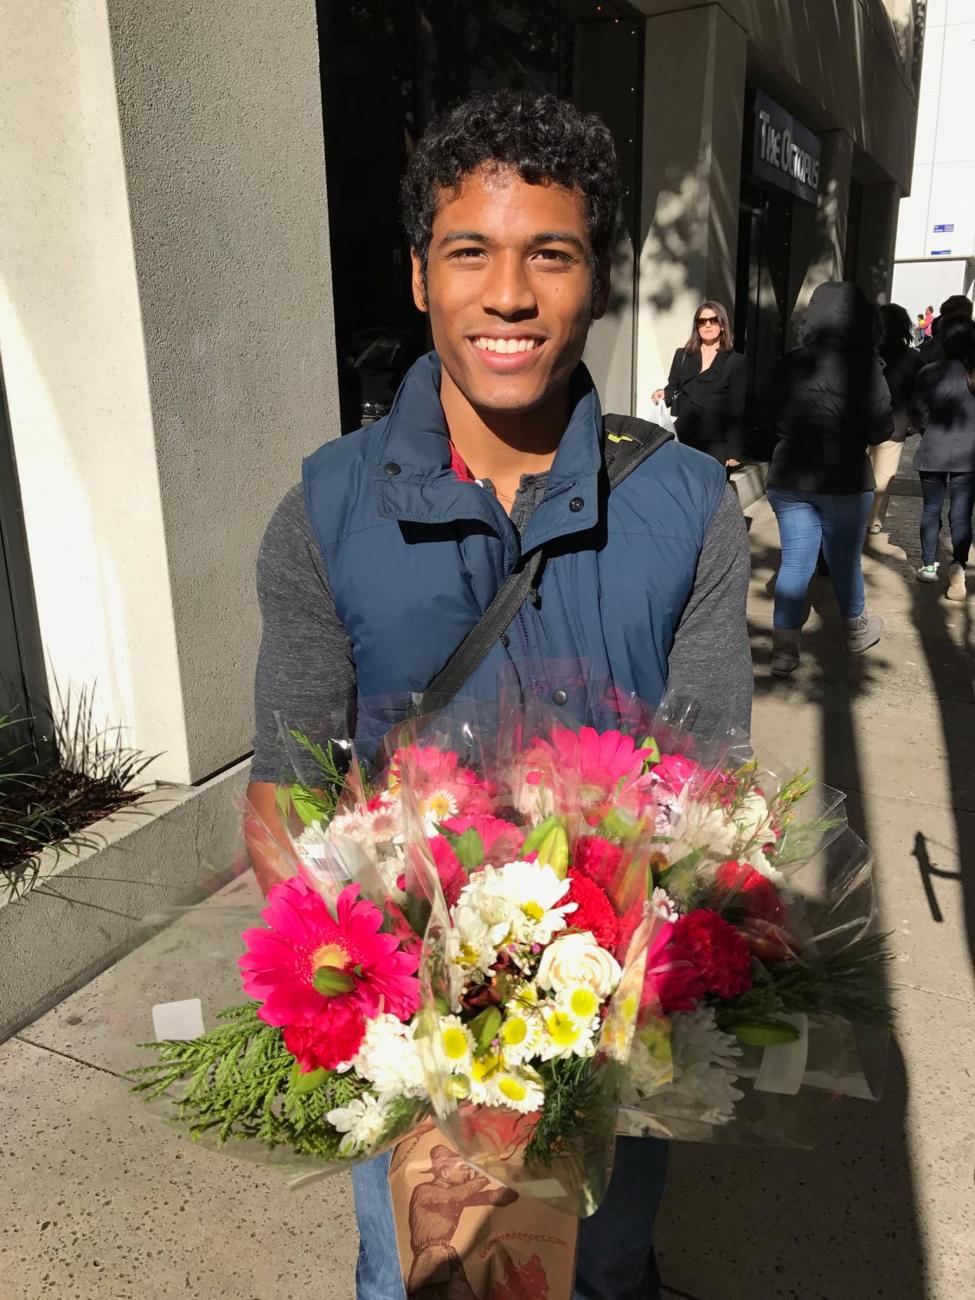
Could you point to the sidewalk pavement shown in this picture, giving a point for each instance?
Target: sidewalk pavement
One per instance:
(103, 1199)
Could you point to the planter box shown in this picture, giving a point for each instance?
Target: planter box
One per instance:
(169, 849)
(749, 482)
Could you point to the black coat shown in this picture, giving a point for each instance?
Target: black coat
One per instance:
(943, 409)
(710, 406)
(829, 399)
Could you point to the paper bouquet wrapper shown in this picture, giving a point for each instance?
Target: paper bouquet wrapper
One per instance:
(463, 1236)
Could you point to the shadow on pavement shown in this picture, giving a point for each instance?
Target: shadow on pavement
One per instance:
(840, 1222)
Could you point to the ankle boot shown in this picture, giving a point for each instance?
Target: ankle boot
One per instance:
(785, 651)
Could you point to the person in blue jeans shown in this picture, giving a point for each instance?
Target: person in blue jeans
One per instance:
(827, 403)
(374, 569)
(943, 410)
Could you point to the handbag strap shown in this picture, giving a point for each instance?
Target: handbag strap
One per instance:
(627, 443)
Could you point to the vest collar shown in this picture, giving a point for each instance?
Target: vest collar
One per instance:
(415, 482)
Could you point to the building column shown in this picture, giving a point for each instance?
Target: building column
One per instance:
(876, 238)
(819, 232)
(167, 340)
(694, 88)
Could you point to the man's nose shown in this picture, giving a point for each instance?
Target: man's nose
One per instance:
(507, 288)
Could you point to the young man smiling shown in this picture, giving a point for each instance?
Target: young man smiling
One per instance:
(374, 570)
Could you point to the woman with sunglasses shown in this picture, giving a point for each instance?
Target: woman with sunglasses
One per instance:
(706, 387)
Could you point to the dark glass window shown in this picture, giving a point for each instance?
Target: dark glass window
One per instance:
(388, 68)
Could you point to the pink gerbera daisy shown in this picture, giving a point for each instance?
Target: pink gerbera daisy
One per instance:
(308, 959)
(437, 773)
(588, 766)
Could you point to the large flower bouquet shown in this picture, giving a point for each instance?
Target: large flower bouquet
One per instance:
(514, 927)
(445, 940)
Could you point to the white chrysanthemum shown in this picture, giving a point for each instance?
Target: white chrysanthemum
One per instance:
(514, 905)
(520, 1033)
(580, 1001)
(705, 1069)
(310, 844)
(456, 1044)
(574, 959)
(473, 943)
(520, 1090)
(662, 905)
(533, 892)
(389, 1059)
(362, 1121)
(565, 1035)
(697, 825)
(760, 863)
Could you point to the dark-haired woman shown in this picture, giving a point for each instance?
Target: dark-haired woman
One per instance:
(706, 387)
(901, 366)
(943, 410)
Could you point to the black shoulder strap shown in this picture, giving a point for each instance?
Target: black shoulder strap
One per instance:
(628, 443)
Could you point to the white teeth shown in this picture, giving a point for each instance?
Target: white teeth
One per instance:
(505, 346)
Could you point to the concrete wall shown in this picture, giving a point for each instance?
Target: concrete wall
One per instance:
(75, 371)
(166, 333)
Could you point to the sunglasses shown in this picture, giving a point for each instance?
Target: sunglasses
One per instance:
(707, 320)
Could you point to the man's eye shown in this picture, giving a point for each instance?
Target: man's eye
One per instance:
(554, 255)
(466, 254)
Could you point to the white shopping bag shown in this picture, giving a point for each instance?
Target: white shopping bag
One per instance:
(660, 414)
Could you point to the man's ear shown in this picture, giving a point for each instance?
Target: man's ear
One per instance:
(600, 289)
(419, 282)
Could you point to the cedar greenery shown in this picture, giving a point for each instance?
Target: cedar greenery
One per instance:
(850, 984)
(240, 1082)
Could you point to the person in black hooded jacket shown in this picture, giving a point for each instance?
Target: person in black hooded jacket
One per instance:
(827, 403)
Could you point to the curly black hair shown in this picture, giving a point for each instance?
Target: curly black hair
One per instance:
(542, 137)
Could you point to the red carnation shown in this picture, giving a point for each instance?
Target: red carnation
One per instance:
(717, 950)
(330, 1038)
(756, 894)
(594, 911)
(598, 859)
(673, 981)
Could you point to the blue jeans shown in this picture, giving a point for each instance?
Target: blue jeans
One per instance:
(960, 489)
(808, 521)
(616, 1259)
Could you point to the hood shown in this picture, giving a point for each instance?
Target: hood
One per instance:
(841, 311)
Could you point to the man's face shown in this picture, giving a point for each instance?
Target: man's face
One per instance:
(509, 289)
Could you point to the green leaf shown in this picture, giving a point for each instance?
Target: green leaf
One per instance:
(765, 1033)
(485, 1028)
(306, 1080)
(535, 838)
(311, 808)
(470, 849)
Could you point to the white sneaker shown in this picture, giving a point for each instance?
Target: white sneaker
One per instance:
(927, 573)
(956, 582)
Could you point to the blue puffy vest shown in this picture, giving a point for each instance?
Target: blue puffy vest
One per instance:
(414, 555)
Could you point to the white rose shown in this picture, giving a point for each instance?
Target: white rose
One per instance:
(578, 959)
(752, 818)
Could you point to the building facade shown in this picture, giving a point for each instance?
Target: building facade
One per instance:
(202, 273)
(935, 254)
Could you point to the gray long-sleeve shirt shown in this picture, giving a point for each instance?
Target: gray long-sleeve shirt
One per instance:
(305, 669)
